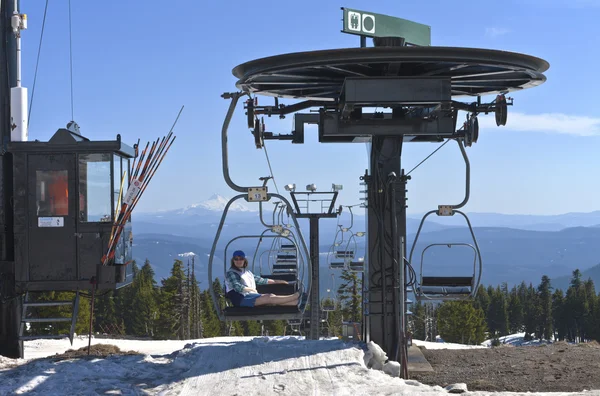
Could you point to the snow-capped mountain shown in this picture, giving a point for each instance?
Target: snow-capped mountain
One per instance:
(204, 213)
(216, 203)
(187, 254)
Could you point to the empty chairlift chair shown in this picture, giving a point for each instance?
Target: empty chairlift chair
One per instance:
(336, 261)
(286, 262)
(444, 288)
(448, 287)
(357, 266)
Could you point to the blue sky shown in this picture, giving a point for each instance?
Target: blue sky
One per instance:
(137, 62)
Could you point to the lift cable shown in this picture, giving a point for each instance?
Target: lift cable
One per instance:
(71, 60)
(37, 63)
(426, 158)
(270, 169)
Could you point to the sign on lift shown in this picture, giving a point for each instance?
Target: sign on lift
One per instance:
(51, 222)
(365, 23)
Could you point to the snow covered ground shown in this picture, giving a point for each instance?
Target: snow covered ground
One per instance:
(217, 366)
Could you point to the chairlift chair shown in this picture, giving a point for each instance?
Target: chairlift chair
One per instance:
(450, 288)
(333, 263)
(231, 313)
(357, 266)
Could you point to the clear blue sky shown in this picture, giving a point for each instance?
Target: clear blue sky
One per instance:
(137, 62)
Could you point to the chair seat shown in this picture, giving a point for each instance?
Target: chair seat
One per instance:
(447, 281)
(263, 312)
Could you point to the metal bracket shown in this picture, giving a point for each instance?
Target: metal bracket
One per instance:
(257, 194)
(445, 210)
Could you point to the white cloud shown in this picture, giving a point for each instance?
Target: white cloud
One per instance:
(548, 123)
(494, 32)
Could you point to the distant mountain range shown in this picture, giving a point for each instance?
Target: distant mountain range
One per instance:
(514, 247)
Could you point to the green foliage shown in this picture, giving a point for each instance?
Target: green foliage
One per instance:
(350, 295)
(177, 309)
(515, 312)
(497, 313)
(461, 322)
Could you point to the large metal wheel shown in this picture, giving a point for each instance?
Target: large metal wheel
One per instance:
(319, 75)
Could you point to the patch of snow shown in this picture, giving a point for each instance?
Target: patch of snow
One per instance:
(444, 345)
(216, 203)
(215, 366)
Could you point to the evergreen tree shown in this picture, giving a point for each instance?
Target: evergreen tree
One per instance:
(419, 321)
(196, 314)
(545, 300)
(461, 322)
(515, 311)
(559, 315)
(143, 302)
(532, 310)
(591, 325)
(350, 295)
(577, 308)
(482, 299)
(106, 318)
(334, 320)
(210, 322)
(171, 302)
(497, 314)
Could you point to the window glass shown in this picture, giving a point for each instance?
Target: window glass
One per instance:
(94, 188)
(52, 193)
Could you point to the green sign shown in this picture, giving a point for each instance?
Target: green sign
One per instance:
(365, 23)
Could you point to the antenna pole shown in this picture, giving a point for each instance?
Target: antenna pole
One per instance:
(10, 304)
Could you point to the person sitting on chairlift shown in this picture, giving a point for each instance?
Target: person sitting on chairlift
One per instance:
(240, 286)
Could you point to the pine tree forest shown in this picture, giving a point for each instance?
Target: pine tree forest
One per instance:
(179, 308)
(540, 312)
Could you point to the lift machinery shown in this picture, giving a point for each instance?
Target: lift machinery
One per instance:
(417, 88)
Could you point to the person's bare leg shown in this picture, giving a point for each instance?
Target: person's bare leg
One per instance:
(268, 299)
(290, 303)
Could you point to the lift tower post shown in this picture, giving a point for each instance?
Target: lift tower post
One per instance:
(302, 202)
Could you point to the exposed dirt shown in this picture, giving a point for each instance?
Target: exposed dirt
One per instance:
(96, 351)
(558, 367)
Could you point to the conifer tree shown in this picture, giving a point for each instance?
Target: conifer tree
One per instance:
(559, 315)
(210, 322)
(544, 329)
(482, 299)
(532, 310)
(497, 314)
(577, 308)
(143, 302)
(350, 295)
(106, 317)
(171, 302)
(590, 323)
(515, 311)
(461, 322)
(419, 321)
(196, 315)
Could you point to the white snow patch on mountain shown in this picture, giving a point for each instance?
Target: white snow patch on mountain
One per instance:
(216, 203)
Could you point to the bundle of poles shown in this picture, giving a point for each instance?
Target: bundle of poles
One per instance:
(140, 175)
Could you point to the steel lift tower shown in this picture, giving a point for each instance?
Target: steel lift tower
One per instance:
(416, 87)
